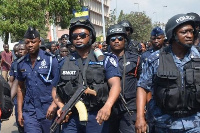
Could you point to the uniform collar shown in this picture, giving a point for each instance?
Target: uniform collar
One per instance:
(192, 53)
(39, 57)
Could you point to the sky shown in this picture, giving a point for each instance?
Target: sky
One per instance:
(157, 10)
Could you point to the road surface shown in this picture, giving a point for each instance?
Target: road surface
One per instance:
(9, 126)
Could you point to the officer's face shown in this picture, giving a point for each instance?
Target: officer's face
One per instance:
(157, 41)
(16, 51)
(143, 49)
(128, 31)
(32, 45)
(71, 48)
(80, 36)
(104, 47)
(64, 41)
(117, 43)
(53, 47)
(185, 34)
(63, 52)
(22, 50)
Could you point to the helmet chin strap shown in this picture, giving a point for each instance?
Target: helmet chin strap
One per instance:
(182, 44)
(84, 45)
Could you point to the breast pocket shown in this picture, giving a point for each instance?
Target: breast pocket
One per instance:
(130, 67)
(44, 75)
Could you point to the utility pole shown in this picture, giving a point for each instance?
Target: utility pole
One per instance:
(103, 20)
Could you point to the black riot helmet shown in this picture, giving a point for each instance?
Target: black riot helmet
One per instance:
(82, 22)
(127, 25)
(42, 45)
(116, 29)
(66, 36)
(195, 15)
(176, 21)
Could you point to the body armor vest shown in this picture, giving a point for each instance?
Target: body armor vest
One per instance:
(71, 78)
(174, 95)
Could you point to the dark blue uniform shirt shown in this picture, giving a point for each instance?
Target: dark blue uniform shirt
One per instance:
(39, 81)
(13, 69)
(146, 55)
(129, 92)
(154, 112)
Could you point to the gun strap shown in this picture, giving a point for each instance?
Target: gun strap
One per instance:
(124, 74)
(84, 68)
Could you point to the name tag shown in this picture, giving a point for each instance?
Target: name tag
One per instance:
(71, 73)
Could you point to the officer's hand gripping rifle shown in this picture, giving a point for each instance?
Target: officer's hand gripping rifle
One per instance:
(80, 106)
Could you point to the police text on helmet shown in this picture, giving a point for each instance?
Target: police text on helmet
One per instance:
(182, 18)
(116, 29)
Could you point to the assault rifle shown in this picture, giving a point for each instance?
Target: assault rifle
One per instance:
(75, 100)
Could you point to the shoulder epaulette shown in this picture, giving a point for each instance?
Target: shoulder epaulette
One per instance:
(60, 59)
(154, 56)
(49, 53)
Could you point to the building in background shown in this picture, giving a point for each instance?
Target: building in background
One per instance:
(95, 13)
(95, 16)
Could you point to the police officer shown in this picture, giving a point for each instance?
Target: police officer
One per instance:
(64, 39)
(19, 51)
(157, 40)
(13, 67)
(37, 75)
(197, 25)
(104, 47)
(71, 47)
(96, 74)
(171, 74)
(122, 120)
(132, 45)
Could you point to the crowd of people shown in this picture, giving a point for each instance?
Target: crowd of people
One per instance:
(137, 86)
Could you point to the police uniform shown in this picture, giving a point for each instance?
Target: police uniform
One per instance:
(145, 55)
(157, 31)
(132, 46)
(39, 81)
(13, 72)
(161, 109)
(122, 121)
(97, 74)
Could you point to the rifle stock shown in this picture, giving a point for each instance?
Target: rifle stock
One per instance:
(70, 104)
(67, 108)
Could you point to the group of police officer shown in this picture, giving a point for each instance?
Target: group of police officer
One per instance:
(156, 92)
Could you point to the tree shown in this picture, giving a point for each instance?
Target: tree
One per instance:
(60, 11)
(17, 15)
(141, 24)
(111, 20)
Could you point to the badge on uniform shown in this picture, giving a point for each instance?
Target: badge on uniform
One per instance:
(43, 64)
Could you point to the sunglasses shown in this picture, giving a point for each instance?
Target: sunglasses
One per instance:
(81, 35)
(120, 38)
